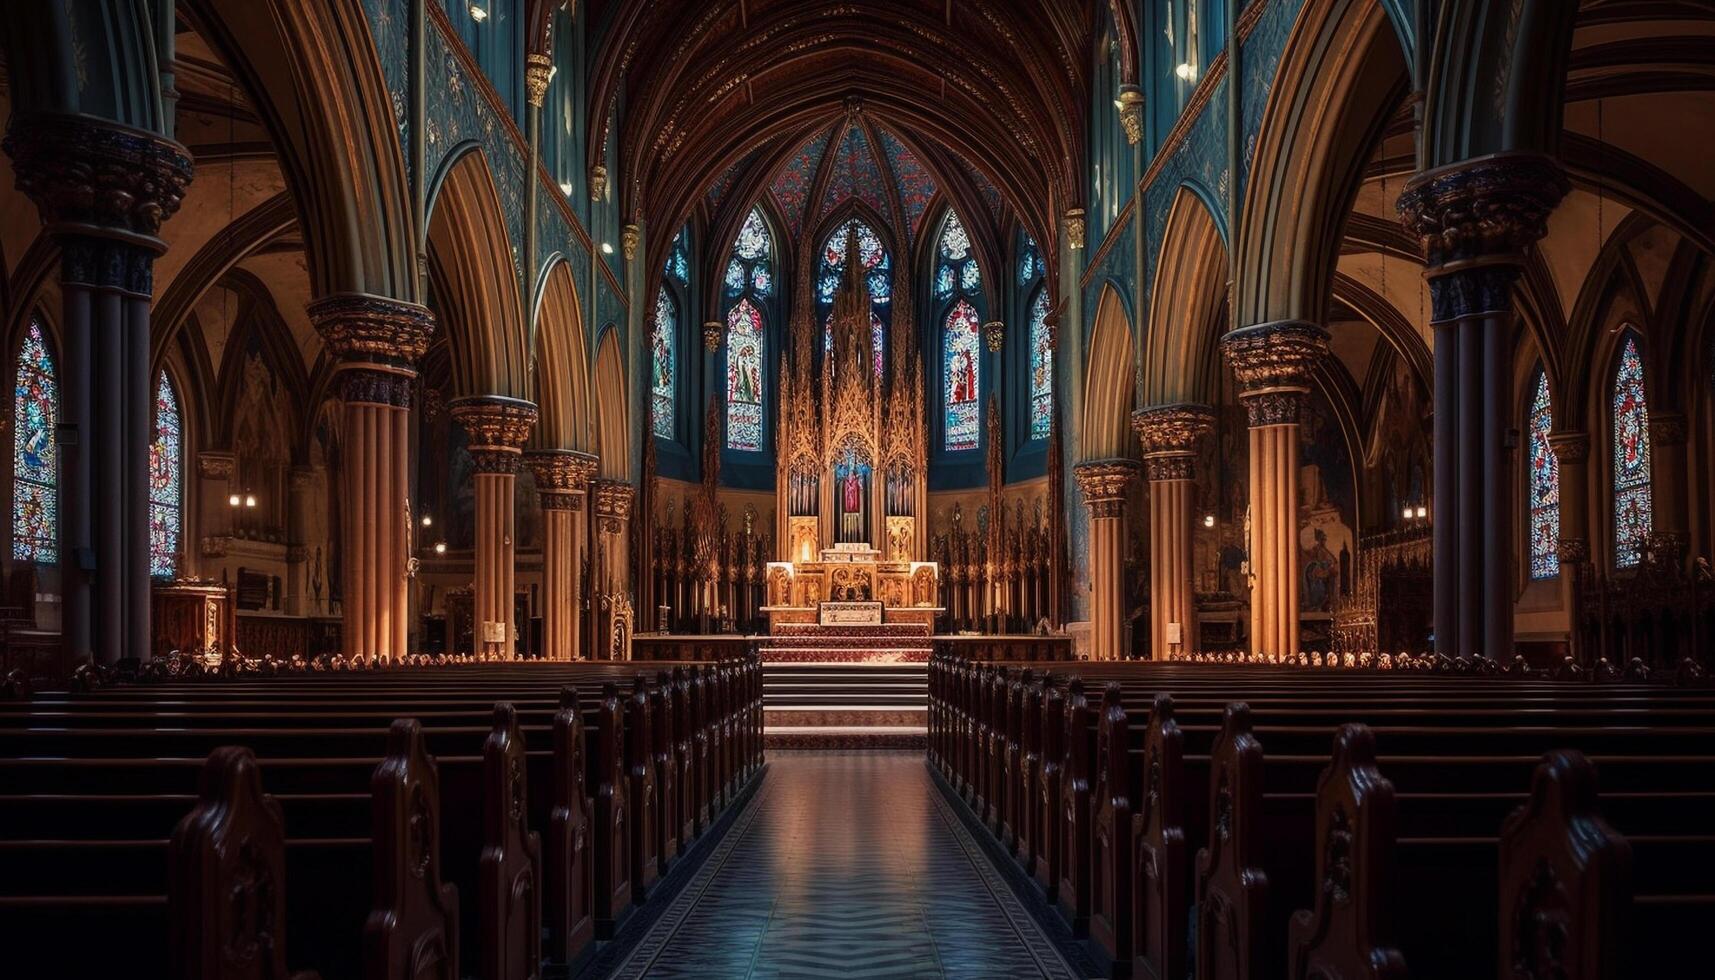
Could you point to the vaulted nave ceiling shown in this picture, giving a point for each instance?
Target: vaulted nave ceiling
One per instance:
(976, 92)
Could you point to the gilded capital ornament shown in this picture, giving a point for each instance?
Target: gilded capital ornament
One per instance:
(612, 499)
(1130, 103)
(357, 326)
(1169, 434)
(97, 175)
(712, 335)
(538, 69)
(629, 236)
(562, 476)
(1103, 484)
(1474, 220)
(212, 465)
(498, 427)
(1272, 363)
(1075, 228)
(994, 333)
(598, 183)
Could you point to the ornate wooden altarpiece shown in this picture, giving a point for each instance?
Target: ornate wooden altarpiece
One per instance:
(853, 484)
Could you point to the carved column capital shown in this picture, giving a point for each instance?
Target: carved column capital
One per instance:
(629, 237)
(1668, 429)
(994, 333)
(1104, 483)
(498, 428)
(357, 326)
(1075, 228)
(598, 183)
(1131, 113)
(1169, 434)
(1272, 363)
(612, 500)
(1474, 220)
(538, 69)
(712, 330)
(93, 176)
(562, 476)
(215, 465)
(1570, 448)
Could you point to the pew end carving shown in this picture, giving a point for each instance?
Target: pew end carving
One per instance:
(1161, 906)
(1232, 887)
(571, 873)
(510, 871)
(413, 928)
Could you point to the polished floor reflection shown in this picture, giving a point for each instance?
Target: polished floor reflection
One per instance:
(847, 864)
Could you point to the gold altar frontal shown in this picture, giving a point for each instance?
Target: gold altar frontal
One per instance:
(906, 589)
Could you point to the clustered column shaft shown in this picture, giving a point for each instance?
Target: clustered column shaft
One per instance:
(498, 428)
(1169, 434)
(1104, 484)
(1273, 364)
(562, 481)
(376, 343)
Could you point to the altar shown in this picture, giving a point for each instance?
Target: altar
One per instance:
(851, 576)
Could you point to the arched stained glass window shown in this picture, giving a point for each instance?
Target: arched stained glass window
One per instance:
(1041, 368)
(875, 261)
(957, 271)
(678, 265)
(35, 488)
(166, 480)
(663, 338)
(744, 377)
(1633, 509)
(962, 377)
(1029, 261)
(749, 269)
(1544, 477)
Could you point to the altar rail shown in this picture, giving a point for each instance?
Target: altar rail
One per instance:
(1006, 648)
(691, 647)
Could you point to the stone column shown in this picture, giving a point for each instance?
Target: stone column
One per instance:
(297, 517)
(375, 344)
(1572, 452)
(498, 428)
(1671, 520)
(103, 190)
(214, 513)
(612, 499)
(1103, 484)
(1475, 220)
(562, 481)
(1170, 434)
(1272, 363)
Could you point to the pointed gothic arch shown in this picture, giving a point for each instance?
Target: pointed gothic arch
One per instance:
(476, 284)
(562, 366)
(1180, 361)
(612, 406)
(1108, 382)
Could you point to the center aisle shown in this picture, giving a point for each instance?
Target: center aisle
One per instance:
(847, 864)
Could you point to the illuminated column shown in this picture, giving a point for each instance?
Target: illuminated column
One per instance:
(562, 481)
(1475, 219)
(1103, 484)
(498, 427)
(1170, 434)
(612, 505)
(1272, 363)
(103, 189)
(375, 344)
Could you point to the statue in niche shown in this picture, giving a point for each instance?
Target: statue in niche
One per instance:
(851, 479)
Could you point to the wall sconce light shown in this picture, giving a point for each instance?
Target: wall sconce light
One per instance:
(428, 521)
(440, 547)
(566, 188)
(1208, 520)
(1406, 514)
(607, 248)
(1422, 512)
(478, 13)
(249, 500)
(1186, 71)
(234, 500)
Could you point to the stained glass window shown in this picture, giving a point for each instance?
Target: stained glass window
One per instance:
(957, 272)
(1632, 505)
(751, 255)
(1544, 479)
(678, 266)
(1041, 369)
(962, 377)
(35, 412)
(166, 469)
(744, 377)
(876, 261)
(1029, 262)
(661, 361)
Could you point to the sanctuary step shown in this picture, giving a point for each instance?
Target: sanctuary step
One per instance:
(844, 705)
(813, 643)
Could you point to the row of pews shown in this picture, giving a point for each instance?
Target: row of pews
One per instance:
(474, 820)
(1264, 821)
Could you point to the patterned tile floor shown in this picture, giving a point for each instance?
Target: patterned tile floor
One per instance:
(847, 864)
